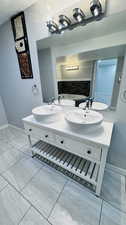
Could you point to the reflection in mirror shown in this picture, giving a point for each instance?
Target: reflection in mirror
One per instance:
(87, 76)
(104, 78)
(79, 79)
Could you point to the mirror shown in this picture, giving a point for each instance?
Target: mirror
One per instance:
(76, 78)
(79, 78)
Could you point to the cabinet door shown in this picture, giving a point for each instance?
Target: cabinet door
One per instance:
(92, 153)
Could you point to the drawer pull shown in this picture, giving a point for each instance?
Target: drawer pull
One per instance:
(62, 142)
(89, 152)
(46, 136)
(30, 129)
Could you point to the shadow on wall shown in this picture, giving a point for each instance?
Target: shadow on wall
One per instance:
(117, 153)
(3, 118)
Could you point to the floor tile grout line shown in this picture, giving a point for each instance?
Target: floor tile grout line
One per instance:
(25, 198)
(33, 206)
(83, 187)
(4, 187)
(11, 166)
(101, 198)
(71, 181)
(46, 218)
(12, 145)
(41, 167)
(57, 199)
(24, 215)
(45, 165)
(28, 154)
(2, 175)
(109, 203)
(100, 213)
(30, 179)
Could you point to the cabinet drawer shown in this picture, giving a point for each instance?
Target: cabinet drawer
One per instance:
(44, 135)
(78, 148)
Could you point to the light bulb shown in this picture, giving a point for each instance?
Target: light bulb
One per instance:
(96, 12)
(79, 18)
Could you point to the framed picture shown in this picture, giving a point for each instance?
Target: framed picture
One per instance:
(25, 65)
(18, 25)
(21, 45)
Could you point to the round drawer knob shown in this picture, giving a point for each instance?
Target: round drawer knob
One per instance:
(89, 152)
(46, 136)
(62, 142)
(30, 129)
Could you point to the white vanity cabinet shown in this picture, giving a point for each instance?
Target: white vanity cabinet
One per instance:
(81, 152)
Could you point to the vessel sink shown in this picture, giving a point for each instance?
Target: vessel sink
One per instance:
(66, 102)
(45, 111)
(81, 117)
(98, 106)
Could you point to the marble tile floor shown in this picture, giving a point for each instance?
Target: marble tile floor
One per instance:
(32, 193)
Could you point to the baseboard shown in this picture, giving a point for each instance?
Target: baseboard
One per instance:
(116, 169)
(3, 126)
(17, 128)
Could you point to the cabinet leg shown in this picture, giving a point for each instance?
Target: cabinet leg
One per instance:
(30, 144)
(101, 171)
(29, 141)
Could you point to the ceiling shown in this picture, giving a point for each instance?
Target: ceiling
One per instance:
(108, 25)
(106, 53)
(10, 7)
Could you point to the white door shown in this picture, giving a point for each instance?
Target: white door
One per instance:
(104, 80)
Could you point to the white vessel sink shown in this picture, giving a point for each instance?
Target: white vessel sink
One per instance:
(81, 117)
(45, 111)
(98, 106)
(66, 102)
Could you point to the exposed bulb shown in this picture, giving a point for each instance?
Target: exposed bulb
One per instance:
(53, 28)
(65, 24)
(60, 29)
(96, 12)
(79, 18)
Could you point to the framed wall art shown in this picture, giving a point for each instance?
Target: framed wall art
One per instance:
(22, 45)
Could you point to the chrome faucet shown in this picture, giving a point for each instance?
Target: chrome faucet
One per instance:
(51, 101)
(89, 103)
(59, 99)
(87, 107)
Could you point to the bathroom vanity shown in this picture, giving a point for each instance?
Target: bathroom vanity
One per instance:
(81, 151)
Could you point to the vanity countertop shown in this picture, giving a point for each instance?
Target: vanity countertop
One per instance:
(99, 135)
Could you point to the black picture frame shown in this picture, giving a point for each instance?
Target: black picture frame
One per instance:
(21, 14)
(26, 51)
(29, 65)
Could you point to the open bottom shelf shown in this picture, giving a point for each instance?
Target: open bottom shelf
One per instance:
(76, 165)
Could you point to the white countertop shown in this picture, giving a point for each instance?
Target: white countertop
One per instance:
(99, 135)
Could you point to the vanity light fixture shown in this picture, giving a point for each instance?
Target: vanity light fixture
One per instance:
(96, 8)
(97, 13)
(52, 26)
(78, 15)
(71, 68)
(64, 21)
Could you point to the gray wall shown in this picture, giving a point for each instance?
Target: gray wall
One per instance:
(117, 153)
(46, 74)
(117, 84)
(16, 93)
(3, 118)
(84, 72)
